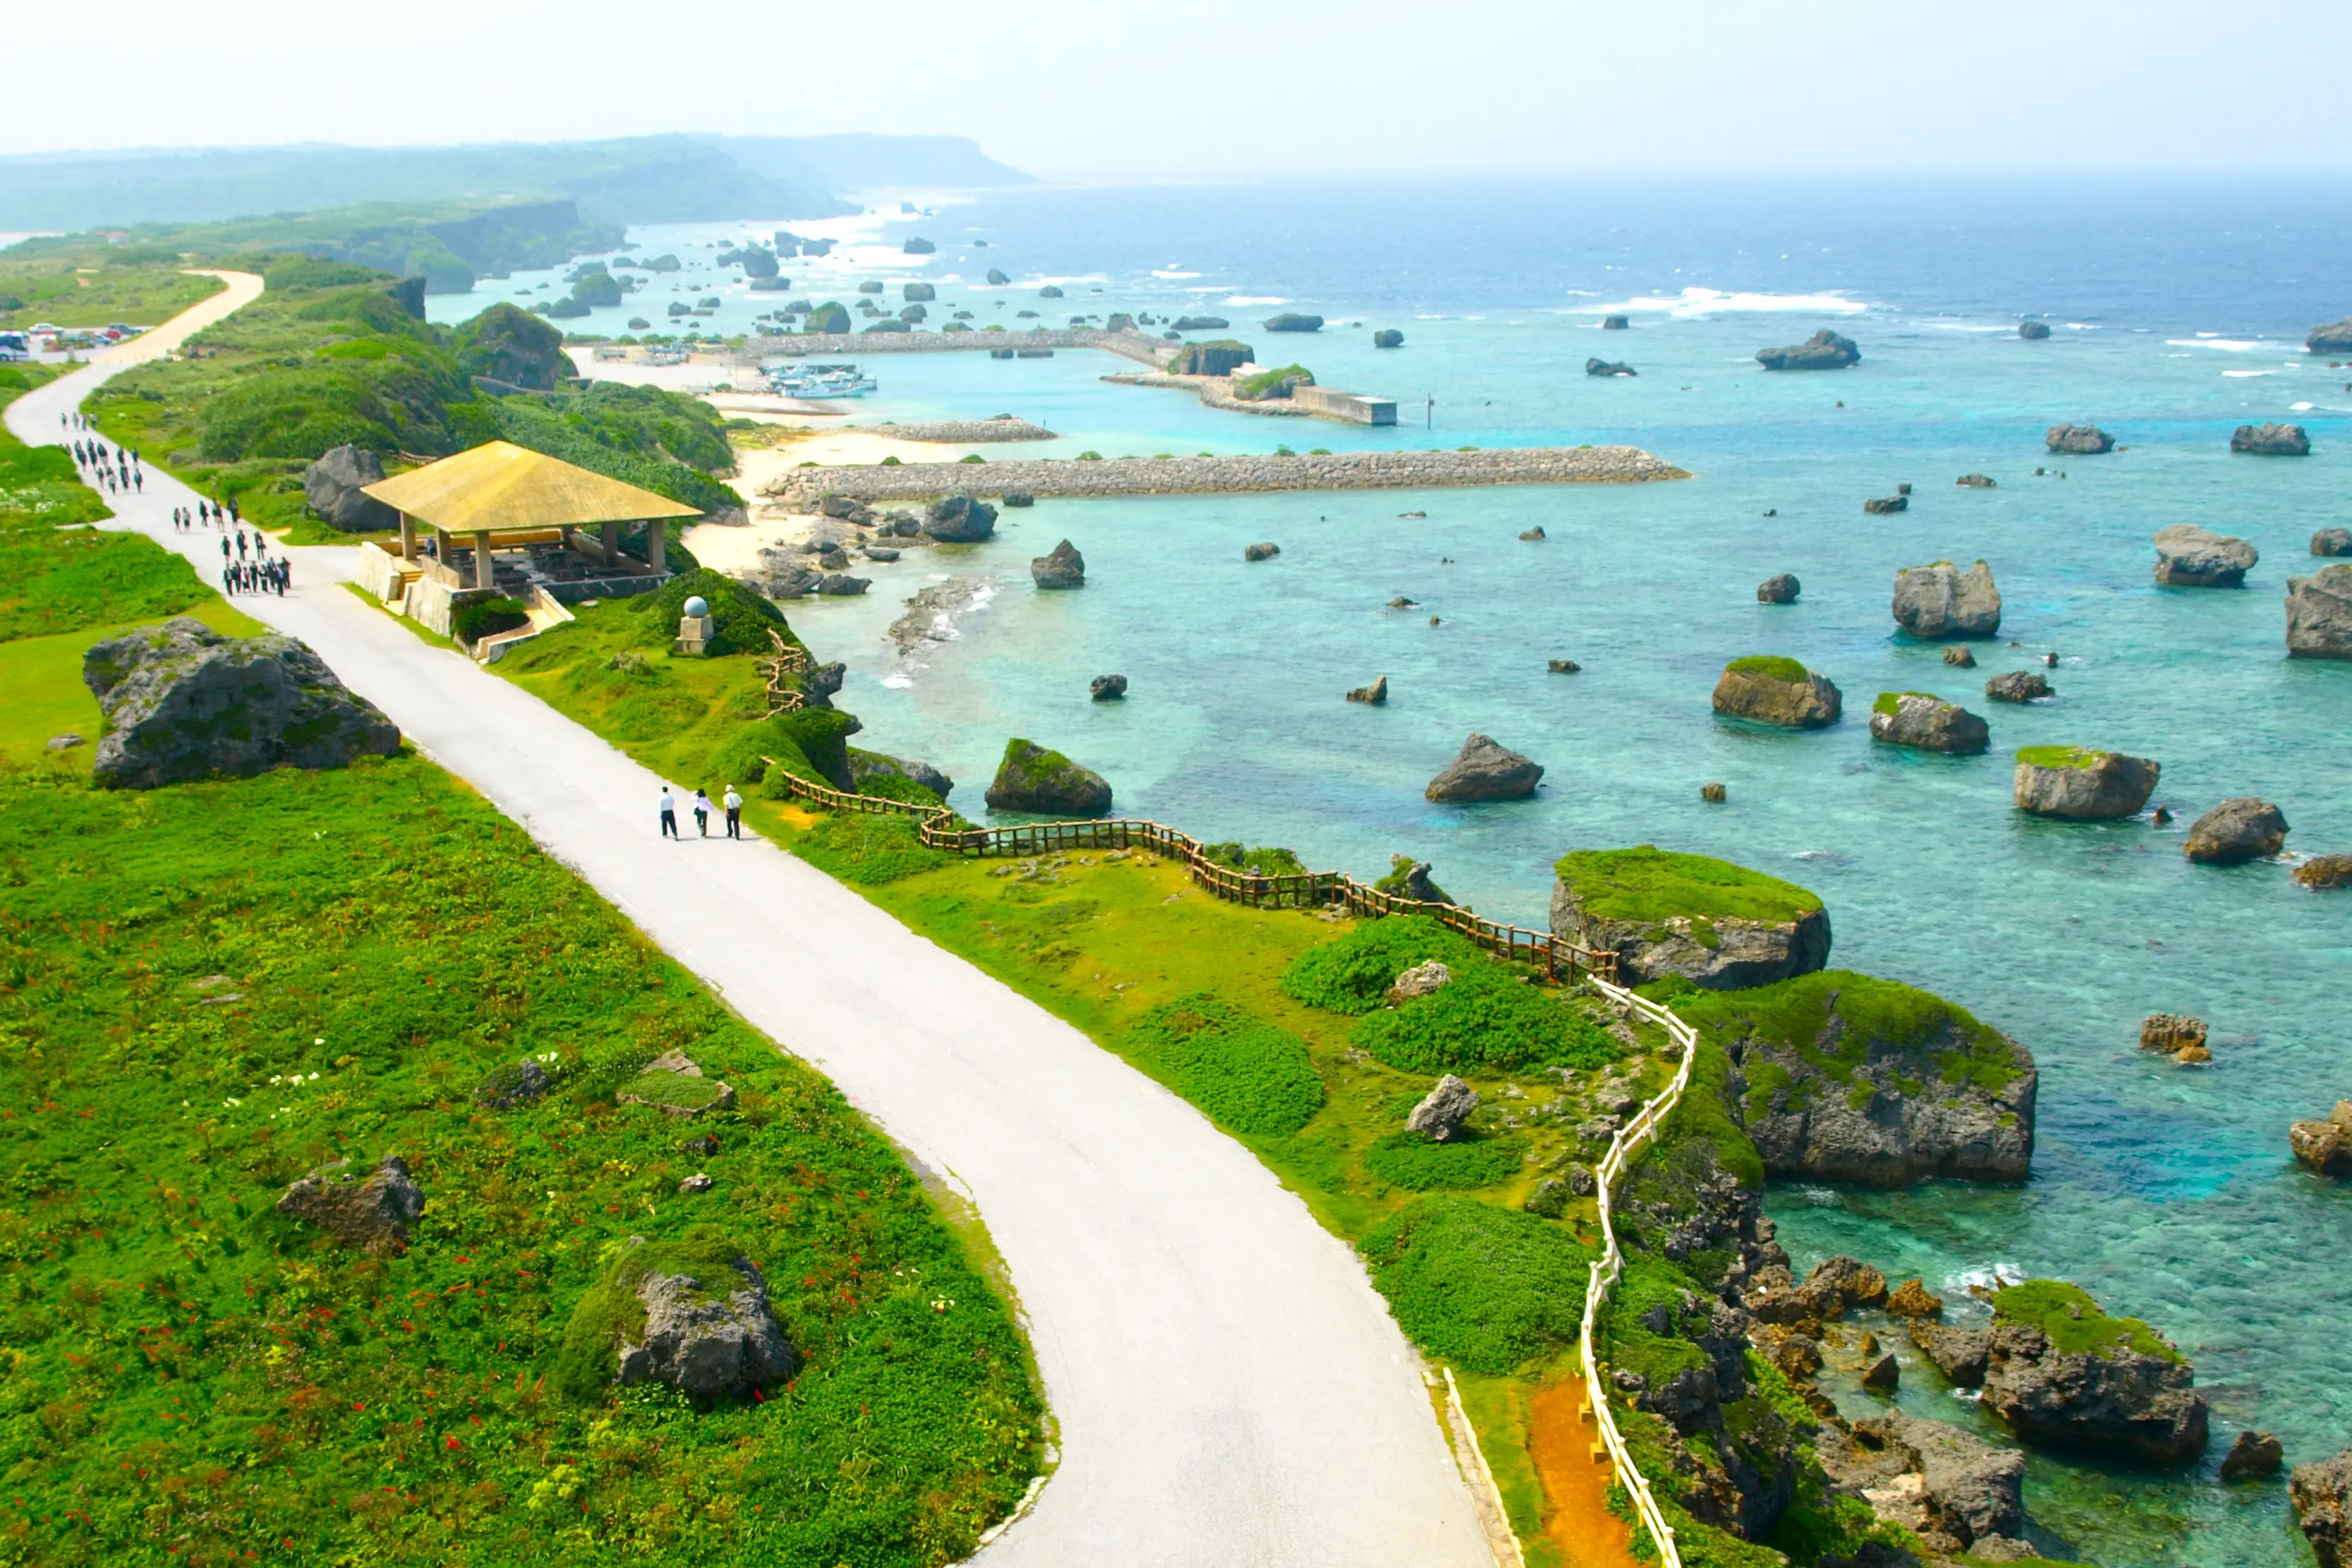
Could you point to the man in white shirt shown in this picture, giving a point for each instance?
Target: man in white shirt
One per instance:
(669, 814)
(734, 804)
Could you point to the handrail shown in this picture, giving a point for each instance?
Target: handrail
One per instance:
(1561, 958)
(1629, 1142)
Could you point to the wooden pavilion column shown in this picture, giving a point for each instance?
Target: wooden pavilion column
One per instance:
(442, 546)
(407, 536)
(482, 558)
(611, 536)
(656, 542)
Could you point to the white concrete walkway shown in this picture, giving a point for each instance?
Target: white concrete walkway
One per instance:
(1230, 1390)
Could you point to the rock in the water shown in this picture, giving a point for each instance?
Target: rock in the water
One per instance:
(1441, 1114)
(1533, 534)
(1881, 1375)
(1108, 688)
(2171, 1033)
(1062, 566)
(996, 278)
(1970, 1490)
(2034, 331)
(960, 519)
(2332, 541)
(1912, 1299)
(1484, 771)
(2237, 831)
(2187, 556)
(2335, 338)
(1421, 980)
(2322, 1493)
(1377, 694)
(2061, 1371)
(2271, 439)
(1941, 601)
(1562, 666)
(1780, 691)
(706, 1343)
(1614, 324)
(332, 488)
(1032, 778)
(841, 585)
(1843, 1282)
(1929, 722)
(1293, 321)
(1961, 657)
(1825, 351)
(183, 702)
(2082, 784)
(1714, 792)
(2078, 440)
(2254, 1454)
(1609, 367)
(1976, 482)
(1959, 1354)
(2324, 871)
(2017, 686)
(2326, 1145)
(864, 765)
(1718, 925)
(1886, 505)
(2319, 614)
(374, 1214)
(515, 1083)
(1018, 498)
(1780, 588)
(1387, 338)
(1260, 551)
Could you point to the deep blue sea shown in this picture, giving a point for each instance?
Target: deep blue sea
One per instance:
(2178, 311)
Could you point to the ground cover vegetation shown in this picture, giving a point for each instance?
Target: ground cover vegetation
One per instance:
(90, 284)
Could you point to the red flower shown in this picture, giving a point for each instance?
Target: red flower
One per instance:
(449, 1443)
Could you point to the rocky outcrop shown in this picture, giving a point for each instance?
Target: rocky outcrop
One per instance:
(1714, 923)
(996, 278)
(2254, 1454)
(2335, 338)
(1615, 323)
(1410, 878)
(1886, 505)
(1959, 1354)
(2017, 686)
(1929, 723)
(2082, 785)
(1912, 1299)
(1046, 783)
(1941, 601)
(2322, 1493)
(1780, 588)
(2061, 1371)
(1377, 694)
(866, 765)
(2272, 440)
(1107, 689)
(2034, 331)
(1201, 324)
(1216, 358)
(332, 488)
(1421, 980)
(2171, 1033)
(960, 519)
(1825, 351)
(1387, 338)
(1609, 367)
(2325, 872)
(706, 1343)
(2187, 556)
(1961, 658)
(1293, 321)
(2332, 541)
(2319, 614)
(2237, 831)
(2078, 440)
(1976, 482)
(1486, 770)
(1777, 691)
(375, 1214)
(1441, 1114)
(183, 702)
(1061, 567)
(1257, 552)
(1969, 1489)
(2326, 1145)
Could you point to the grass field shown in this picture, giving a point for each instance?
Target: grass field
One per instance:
(95, 290)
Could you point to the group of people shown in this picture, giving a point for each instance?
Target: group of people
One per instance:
(731, 801)
(114, 469)
(246, 566)
(258, 575)
(206, 515)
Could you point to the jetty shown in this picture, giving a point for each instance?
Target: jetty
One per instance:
(1152, 352)
(801, 489)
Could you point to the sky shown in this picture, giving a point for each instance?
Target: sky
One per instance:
(1085, 89)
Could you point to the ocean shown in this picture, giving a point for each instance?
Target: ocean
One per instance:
(2178, 311)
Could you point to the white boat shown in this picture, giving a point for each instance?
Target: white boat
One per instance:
(821, 381)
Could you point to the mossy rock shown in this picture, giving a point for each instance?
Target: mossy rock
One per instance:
(1717, 925)
(1770, 689)
(2078, 783)
(2075, 1323)
(611, 1312)
(1046, 783)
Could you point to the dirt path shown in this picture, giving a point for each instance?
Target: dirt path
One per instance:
(1575, 1485)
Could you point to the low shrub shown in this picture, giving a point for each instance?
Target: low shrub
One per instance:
(1409, 1160)
(744, 618)
(1485, 1020)
(487, 617)
(1352, 974)
(1248, 1075)
(1265, 860)
(868, 849)
(1488, 1289)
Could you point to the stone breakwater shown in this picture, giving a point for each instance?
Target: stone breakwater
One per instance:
(1153, 351)
(1216, 391)
(959, 431)
(801, 489)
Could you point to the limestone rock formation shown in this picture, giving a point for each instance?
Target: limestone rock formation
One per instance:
(1609, 367)
(2171, 1033)
(2324, 870)
(1377, 694)
(2319, 614)
(1387, 338)
(1061, 567)
(1486, 770)
(1941, 601)
(1825, 351)
(374, 1214)
(2271, 439)
(1912, 1299)
(1780, 588)
(1959, 1354)
(2322, 1493)
(1410, 878)
(1886, 505)
(1293, 321)
(1442, 1114)
(2237, 831)
(1032, 778)
(705, 1344)
(866, 765)
(1614, 323)
(919, 245)
(1421, 980)
(2335, 338)
(1260, 551)
(1221, 358)
(1969, 1489)
(2332, 541)
(841, 585)
(996, 278)
(2017, 686)
(1976, 482)
(2326, 1145)
(183, 702)
(2187, 556)
(1717, 925)
(2034, 331)
(2082, 785)
(1777, 691)
(2078, 440)
(1961, 658)
(2254, 1454)
(1882, 1376)
(1929, 723)
(2061, 1371)
(332, 488)
(1107, 688)
(505, 343)
(960, 519)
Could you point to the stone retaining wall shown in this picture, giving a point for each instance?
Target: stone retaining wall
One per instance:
(802, 488)
(1152, 352)
(961, 431)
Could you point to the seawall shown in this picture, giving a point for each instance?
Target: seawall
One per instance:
(1152, 352)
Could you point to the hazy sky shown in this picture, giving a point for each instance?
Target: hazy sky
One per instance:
(1085, 89)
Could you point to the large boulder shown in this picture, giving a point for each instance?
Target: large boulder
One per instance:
(1825, 351)
(1292, 322)
(1221, 358)
(1061, 567)
(1597, 367)
(1959, 1354)
(2326, 1145)
(1484, 770)
(2332, 541)
(2081, 784)
(707, 1331)
(866, 765)
(2188, 556)
(2236, 831)
(2017, 686)
(2254, 1454)
(914, 292)
(1780, 588)
(2322, 1493)
(2034, 331)
(996, 277)
(2061, 1371)
(2335, 338)
(959, 520)
(1929, 723)
(1971, 1490)
(1772, 690)
(183, 702)
(1046, 783)
(2319, 614)
(1717, 925)
(2077, 440)
(1440, 1115)
(2318, 871)
(1941, 601)
(375, 1214)
(2271, 439)
(332, 486)
(1845, 1077)
(505, 343)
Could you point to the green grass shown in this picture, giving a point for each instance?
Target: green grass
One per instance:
(1409, 1160)
(62, 581)
(1650, 883)
(1248, 1075)
(2061, 757)
(2073, 1322)
(1488, 1289)
(96, 289)
(1484, 1019)
(1835, 1022)
(867, 851)
(42, 676)
(1352, 974)
(1771, 666)
(1892, 702)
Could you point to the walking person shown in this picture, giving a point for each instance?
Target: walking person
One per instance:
(734, 804)
(669, 814)
(701, 812)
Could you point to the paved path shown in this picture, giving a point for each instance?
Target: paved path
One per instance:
(1228, 1389)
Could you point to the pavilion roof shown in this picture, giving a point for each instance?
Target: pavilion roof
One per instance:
(499, 484)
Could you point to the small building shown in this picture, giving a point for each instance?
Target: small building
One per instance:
(1355, 407)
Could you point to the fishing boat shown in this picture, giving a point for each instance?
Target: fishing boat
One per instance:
(820, 381)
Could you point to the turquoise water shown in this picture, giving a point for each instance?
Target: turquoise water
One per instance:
(2168, 1192)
